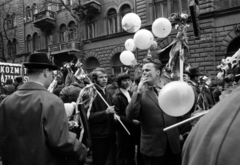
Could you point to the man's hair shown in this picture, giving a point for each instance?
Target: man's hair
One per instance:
(94, 74)
(122, 76)
(157, 63)
(34, 71)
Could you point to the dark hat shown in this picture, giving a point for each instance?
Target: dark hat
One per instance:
(19, 79)
(39, 60)
(194, 71)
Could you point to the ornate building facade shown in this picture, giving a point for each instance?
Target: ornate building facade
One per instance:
(99, 39)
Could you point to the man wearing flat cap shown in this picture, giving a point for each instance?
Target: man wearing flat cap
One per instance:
(33, 121)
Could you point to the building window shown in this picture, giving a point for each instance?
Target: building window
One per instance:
(185, 8)
(8, 22)
(35, 42)
(179, 4)
(91, 63)
(28, 14)
(91, 27)
(161, 9)
(72, 30)
(49, 37)
(117, 66)
(123, 11)
(63, 33)
(112, 21)
(34, 9)
(9, 48)
(175, 6)
(28, 43)
(14, 47)
(50, 6)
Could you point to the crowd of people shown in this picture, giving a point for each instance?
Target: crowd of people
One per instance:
(34, 126)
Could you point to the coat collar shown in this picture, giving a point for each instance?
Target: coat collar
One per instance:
(32, 86)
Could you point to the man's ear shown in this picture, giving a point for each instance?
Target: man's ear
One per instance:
(158, 72)
(45, 73)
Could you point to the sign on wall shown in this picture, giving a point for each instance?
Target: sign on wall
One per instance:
(11, 71)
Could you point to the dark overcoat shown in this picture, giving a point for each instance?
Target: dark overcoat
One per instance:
(34, 128)
(153, 140)
(215, 138)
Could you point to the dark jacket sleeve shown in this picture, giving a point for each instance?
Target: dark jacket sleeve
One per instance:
(98, 117)
(120, 111)
(56, 128)
(133, 108)
(98, 112)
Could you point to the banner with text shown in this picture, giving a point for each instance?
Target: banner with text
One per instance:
(11, 71)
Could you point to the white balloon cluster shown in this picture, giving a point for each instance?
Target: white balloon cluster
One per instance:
(143, 39)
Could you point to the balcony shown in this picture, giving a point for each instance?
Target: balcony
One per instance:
(72, 46)
(44, 19)
(94, 7)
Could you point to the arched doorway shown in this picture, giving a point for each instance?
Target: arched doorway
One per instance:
(233, 46)
(91, 63)
(117, 65)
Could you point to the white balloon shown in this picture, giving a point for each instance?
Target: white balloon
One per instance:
(131, 22)
(161, 27)
(129, 45)
(127, 57)
(143, 39)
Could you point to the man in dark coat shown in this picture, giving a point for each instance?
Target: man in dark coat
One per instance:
(101, 122)
(215, 138)
(158, 147)
(125, 143)
(33, 121)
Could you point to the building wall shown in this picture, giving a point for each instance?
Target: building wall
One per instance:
(217, 31)
(218, 22)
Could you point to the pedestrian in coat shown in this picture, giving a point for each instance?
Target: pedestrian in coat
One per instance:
(158, 147)
(101, 122)
(33, 121)
(214, 139)
(125, 142)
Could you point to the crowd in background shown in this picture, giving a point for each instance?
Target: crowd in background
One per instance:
(111, 143)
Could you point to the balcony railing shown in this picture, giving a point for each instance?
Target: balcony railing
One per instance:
(72, 46)
(44, 19)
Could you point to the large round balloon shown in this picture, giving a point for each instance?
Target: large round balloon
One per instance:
(143, 39)
(131, 22)
(127, 57)
(176, 98)
(129, 45)
(161, 27)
